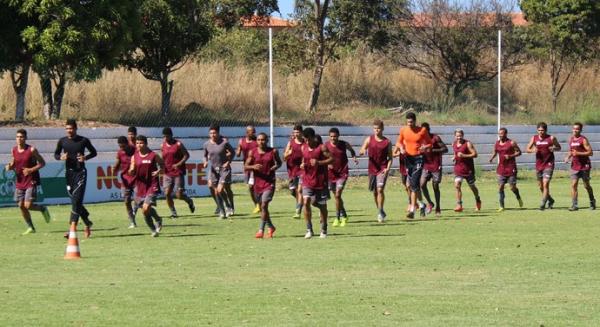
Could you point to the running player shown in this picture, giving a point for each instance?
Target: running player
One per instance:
(26, 163)
(464, 168)
(123, 162)
(580, 152)
(338, 172)
(145, 167)
(245, 145)
(506, 150)
(403, 175)
(379, 149)
(315, 159)
(263, 161)
(71, 149)
(174, 155)
(544, 146)
(293, 158)
(220, 153)
(413, 141)
(131, 135)
(432, 170)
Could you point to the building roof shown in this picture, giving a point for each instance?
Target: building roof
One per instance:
(265, 22)
(424, 20)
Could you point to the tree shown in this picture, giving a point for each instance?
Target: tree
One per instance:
(174, 30)
(325, 26)
(563, 36)
(455, 44)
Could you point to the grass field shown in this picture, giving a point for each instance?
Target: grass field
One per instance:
(516, 268)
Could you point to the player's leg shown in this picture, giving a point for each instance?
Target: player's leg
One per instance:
(574, 193)
(20, 197)
(501, 195)
(168, 186)
(425, 177)
(309, 198)
(435, 184)
(321, 203)
(338, 213)
(181, 194)
(513, 187)
(458, 187)
(127, 194)
(588, 188)
(475, 191)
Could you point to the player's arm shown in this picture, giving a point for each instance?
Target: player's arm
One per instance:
(288, 150)
(39, 159)
(555, 145)
(58, 155)
(516, 149)
(328, 157)
(238, 151)
(92, 151)
(248, 163)
(161, 165)
(352, 152)
(400, 143)
(364, 147)
(442, 147)
(472, 150)
(390, 155)
(494, 154)
(131, 170)
(588, 149)
(117, 164)
(205, 162)
(278, 161)
(10, 165)
(186, 155)
(530, 146)
(229, 154)
(427, 142)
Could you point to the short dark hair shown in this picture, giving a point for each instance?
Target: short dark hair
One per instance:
(122, 140)
(262, 134)
(542, 125)
(378, 123)
(167, 131)
(579, 124)
(334, 130)
(411, 115)
(214, 127)
(22, 131)
(308, 133)
(71, 122)
(298, 127)
(426, 126)
(142, 138)
(132, 129)
(503, 129)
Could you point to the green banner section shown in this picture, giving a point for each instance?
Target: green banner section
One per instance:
(52, 187)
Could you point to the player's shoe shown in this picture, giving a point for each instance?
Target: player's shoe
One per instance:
(323, 234)
(593, 205)
(297, 214)
(28, 231)
(343, 221)
(174, 215)
(573, 208)
(410, 215)
(158, 224)
(477, 205)
(217, 211)
(550, 203)
(46, 214)
(154, 234)
(132, 225)
(380, 218)
(336, 222)
(438, 212)
(309, 234)
(429, 208)
(542, 207)
(423, 211)
(520, 202)
(271, 232)
(256, 209)
(458, 208)
(221, 215)
(192, 206)
(228, 212)
(87, 231)
(500, 209)
(259, 234)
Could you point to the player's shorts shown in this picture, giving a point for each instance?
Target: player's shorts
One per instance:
(338, 184)
(295, 182)
(249, 177)
(316, 196)
(512, 179)
(127, 192)
(219, 176)
(404, 179)
(173, 183)
(265, 196)
(28, 195)
(470, 179)
(414, 165)
(546, 173)
(434, 176)
(583, 174)
(377, 181)
(149, 199)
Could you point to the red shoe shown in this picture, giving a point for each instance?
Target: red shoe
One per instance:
(87, 232)
(270, 232)
(478, 205)
(458, 208)
(259, 234)
(428, 208)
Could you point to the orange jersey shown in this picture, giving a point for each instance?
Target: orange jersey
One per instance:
(412, 140)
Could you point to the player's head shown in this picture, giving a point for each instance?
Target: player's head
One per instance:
(378, 127)
(261, 140)
(132, 133)
(542, 128)
(334, 134)
(213, 131)
(426, 127)
(459, 134)
(297, 131)
(502, 133)
(251, 132)
(141, 142)
(167, 133)
(122, 142)
(577, 128)
(309, 135)
(411, 119)
(21, 136)
(71, 127)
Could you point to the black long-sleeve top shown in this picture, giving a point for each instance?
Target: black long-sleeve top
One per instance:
(73, 147)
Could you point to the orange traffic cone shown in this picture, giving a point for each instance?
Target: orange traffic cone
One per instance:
(72, 251)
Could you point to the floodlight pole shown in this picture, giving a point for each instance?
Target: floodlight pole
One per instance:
(271, 138)
(499, 77)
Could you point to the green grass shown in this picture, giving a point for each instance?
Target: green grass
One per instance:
(519, 267)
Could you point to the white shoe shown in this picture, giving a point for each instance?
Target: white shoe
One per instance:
(132, 225)
(154, 234)
(380, 218)
(229, 212)
(308, 234)
(323, 235)
(221, 215)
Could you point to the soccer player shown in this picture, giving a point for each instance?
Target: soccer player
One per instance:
(145, 166)
(506, 150)
(464, 168)
(338, 173)
(220, 153)
(544, 146)
(71, 149)
(403, 175)
(432, 170)
(263, 161)
(379, 149)
(245, 145)
(579, 155)
(174, 155)
(413, 141)
(131, 135)
(123, 163)
(293, 159)
(26, 163)
(315, 159)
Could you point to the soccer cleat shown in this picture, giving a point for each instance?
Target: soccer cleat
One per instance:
(132, 225)
(158, 224)
(336, 222)
(87, 231)
(228, 212)
(380, 218)
(259, 234)
(429, 208)
(173, 215)
(192, 206)
(344, 214)
(438, 212)
(500, 209)
(410, 215)
(271, 232)
(46, 214)
(309, 234)
(297, 214)
(28, 231)
(221, 215)
(477, 205)
(323, 234)
(217, 211)
(458, 208)
(423, 211)
(256, 208)
(573, 208)
(550, 203)
(593, 205)
(154, 234)
(520, 202)
(408, 207)
(542, 207)
(343, 222)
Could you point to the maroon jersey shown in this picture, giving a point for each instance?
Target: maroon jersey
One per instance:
(433, 160)
(124, 157)
(579, 163)
(462, 166)
(25, 159)
(544, 158)
(246, 147)
(506, 167)
(378, 154)
(172, 154)
(145, 183)
(313, 177)
(264, 179)
(403, 170)
(294, 161)
(339, 167)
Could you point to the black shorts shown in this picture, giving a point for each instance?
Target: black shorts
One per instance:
(414, 165)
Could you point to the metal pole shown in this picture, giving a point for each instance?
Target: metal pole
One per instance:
(271, 86)
(499, 77)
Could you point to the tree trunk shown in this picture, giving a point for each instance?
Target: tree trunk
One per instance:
(316, 90)
(20, 78)
(46, 87)
(554, 102)
(59, 93)
(166, 88)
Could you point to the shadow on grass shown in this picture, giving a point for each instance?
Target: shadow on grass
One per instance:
(80, 230)
(184, 235)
